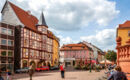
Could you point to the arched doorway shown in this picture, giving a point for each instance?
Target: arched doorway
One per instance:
(33, 63)
(39, 64)
(25, 63)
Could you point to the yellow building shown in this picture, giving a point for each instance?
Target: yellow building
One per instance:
(123, 31)
(55, 55)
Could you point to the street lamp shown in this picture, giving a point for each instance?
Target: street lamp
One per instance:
(90, 61)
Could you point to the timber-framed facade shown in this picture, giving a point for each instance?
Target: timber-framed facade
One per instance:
(34, 42)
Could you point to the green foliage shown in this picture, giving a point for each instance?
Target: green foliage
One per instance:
(85, 67)
(111, 55)
(77, 67)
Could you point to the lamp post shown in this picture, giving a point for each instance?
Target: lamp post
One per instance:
(90, 61)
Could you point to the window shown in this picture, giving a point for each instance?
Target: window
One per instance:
(26, 42)
(42, 54)
(10, 32)
(10, 53)
(3, 67)
(32, 35)
(44, 30)
(37, 53)
(10, 67)
(27, 33)
(3, 41)
(10, 60)
(10, 43)
(32, 53)
(3, 53)
(4, 31)
(25, 52)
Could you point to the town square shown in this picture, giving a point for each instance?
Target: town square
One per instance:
(64, 40)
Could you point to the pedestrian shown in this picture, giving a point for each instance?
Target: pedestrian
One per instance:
(31, 71)
(8, 73)
(1, 78)
(49, 65)
(117, 74)
(62, 70)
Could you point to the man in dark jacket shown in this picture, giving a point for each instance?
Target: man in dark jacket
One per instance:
(117, 75)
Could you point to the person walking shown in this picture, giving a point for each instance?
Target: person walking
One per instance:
(49, 65)
(31, 71)
(9, 77)
(117, 74)
(62, 71)
(1, 78)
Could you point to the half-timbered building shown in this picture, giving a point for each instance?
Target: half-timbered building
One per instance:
(34, 42)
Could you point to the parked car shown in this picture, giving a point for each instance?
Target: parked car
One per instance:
(54, 68)
(42, 68)
(22, 70)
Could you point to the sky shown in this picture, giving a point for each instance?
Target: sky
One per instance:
(73, 21)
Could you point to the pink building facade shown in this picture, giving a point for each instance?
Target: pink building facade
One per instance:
(75, 53)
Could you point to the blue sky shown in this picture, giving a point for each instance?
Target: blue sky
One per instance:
(73, 21)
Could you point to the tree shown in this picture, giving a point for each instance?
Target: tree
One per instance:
(111, 55)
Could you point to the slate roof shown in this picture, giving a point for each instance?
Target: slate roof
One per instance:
(42, 20)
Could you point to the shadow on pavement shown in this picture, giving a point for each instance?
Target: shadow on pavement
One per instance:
(71, 78)
(25, 75)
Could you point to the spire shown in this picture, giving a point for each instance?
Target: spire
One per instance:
(42, 20)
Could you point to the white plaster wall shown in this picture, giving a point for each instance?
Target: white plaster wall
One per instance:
(9, 16)
(61, 56)
(93, 48)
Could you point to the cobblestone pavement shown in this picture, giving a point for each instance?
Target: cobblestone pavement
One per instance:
(69, 75)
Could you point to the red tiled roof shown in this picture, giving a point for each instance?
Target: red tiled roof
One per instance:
(126, 24)
(77, 45)
(74, 47)
(27, 19)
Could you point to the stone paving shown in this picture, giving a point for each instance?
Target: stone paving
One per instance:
(69, 75)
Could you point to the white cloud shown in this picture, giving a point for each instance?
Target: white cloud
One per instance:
(72, 15)
(0, 16)
(66, 40)
(68, 15)
(104, 39)
(21, 0)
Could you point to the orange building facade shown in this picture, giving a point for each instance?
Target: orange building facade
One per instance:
(123, 47)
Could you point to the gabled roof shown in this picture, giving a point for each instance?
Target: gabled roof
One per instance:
(25, 17)
(91, 45)
(125, 25)
(78, 46)
(42, 20)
